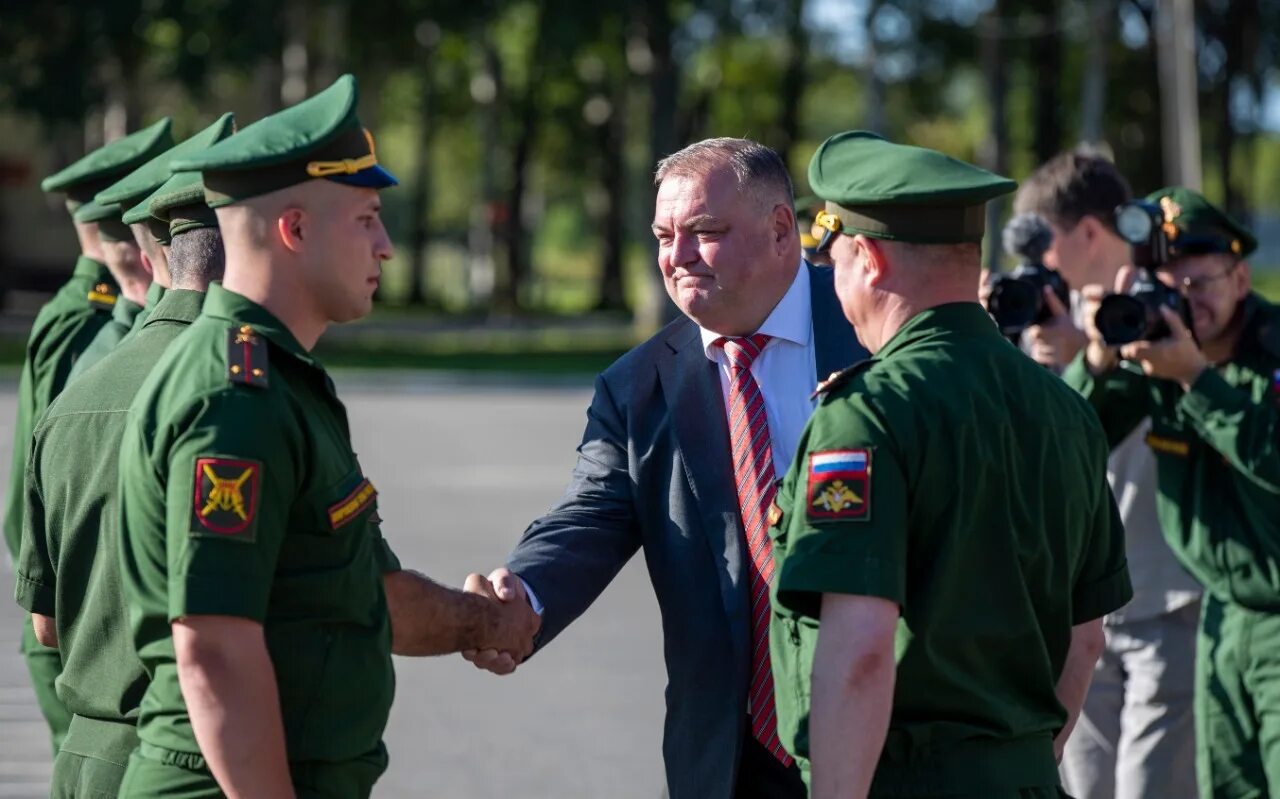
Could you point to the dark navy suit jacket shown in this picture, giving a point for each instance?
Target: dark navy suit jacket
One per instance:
(654, 473)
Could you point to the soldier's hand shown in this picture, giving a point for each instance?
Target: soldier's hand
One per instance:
(1057, 341)
(504, 587)
(1175, 357)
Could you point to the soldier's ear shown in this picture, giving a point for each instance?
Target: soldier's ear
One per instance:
(291, 228)
(874, 263)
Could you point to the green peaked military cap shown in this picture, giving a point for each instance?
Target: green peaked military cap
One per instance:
(1195, 226)
(140, 215)
(180, 204)
(320, 137)
(107, 217)
(99, 169)
(134, 187)
(141, 211)
(899, 192)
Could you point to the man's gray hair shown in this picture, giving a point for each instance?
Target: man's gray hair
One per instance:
(759, 169)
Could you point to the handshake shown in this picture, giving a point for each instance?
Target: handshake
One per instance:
(508, 639)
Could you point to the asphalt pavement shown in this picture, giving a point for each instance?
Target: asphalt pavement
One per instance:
(462, 465)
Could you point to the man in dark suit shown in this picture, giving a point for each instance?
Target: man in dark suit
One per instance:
(685, 438)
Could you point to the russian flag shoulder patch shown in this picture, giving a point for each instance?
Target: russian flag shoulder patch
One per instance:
(839, 485)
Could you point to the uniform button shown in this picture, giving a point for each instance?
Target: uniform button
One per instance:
(235, 368)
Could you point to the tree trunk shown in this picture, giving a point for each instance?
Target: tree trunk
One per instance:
(1046, 55)
(793, 79)
(1179, 96)
(487, 217)
(428, 34)
(996, 149)
(656, 307)
(294, 56)
(873, 87)
(331, 45)
(613, 180)
(1093, 100)
(517, 241)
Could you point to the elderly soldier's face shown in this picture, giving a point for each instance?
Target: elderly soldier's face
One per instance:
(351, 245)
(1214, 286)
(716, 246)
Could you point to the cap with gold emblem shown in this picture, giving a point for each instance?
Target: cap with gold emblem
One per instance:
(320, 137)
(899, 192)
(1194, 226)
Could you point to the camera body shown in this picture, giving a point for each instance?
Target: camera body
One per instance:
(1016, 300)
(1135, 316)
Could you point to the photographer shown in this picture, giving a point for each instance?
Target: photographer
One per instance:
(1212, 398)
(1135, 737)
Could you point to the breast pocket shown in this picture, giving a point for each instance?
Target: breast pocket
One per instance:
(326, 565)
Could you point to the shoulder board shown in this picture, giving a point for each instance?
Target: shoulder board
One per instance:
(103, 296)
(246, 357)
(838, 379)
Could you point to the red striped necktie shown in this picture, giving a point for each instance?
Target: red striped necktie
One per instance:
(752, 453)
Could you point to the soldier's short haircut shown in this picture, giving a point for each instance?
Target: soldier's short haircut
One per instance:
(1071, 186)
(759, 169)
(196, 257)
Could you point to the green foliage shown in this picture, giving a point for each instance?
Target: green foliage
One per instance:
(572, 81)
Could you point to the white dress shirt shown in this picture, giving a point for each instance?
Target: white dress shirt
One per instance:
(784, 370)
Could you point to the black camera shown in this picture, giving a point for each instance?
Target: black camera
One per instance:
(1017, 299)
(1135, 316)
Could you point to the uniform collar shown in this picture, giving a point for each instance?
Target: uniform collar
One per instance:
(154, 293)
(125, 311)
(790, 320)
(236, 308)
(177, 305)
(967, 318)
(93, 269)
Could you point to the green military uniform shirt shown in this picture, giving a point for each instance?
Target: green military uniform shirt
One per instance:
(68, 565)
(155, 293)
(124, 316)
(61, 332)
(1217, 449)
(956, 478)
(241, 496)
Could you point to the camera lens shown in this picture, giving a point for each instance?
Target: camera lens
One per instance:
(1121, 319)
(1133, 223)
(1014, 303)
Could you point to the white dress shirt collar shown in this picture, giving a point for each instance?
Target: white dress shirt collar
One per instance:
(791, 319)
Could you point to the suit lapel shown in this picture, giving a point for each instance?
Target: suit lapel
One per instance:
(835, 344)
(691, 386)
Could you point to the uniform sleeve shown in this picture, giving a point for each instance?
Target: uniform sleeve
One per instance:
(848, 492)
(35, 579)
(1102, 581)
(383, 555)
(1245, 432)
(1119, 397)
(233, 474)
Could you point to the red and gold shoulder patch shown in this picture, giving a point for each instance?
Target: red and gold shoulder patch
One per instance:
(1168, 446)
(352, 505)
(246, 357)
(839, 485)
(226, 498)
(103, 296)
